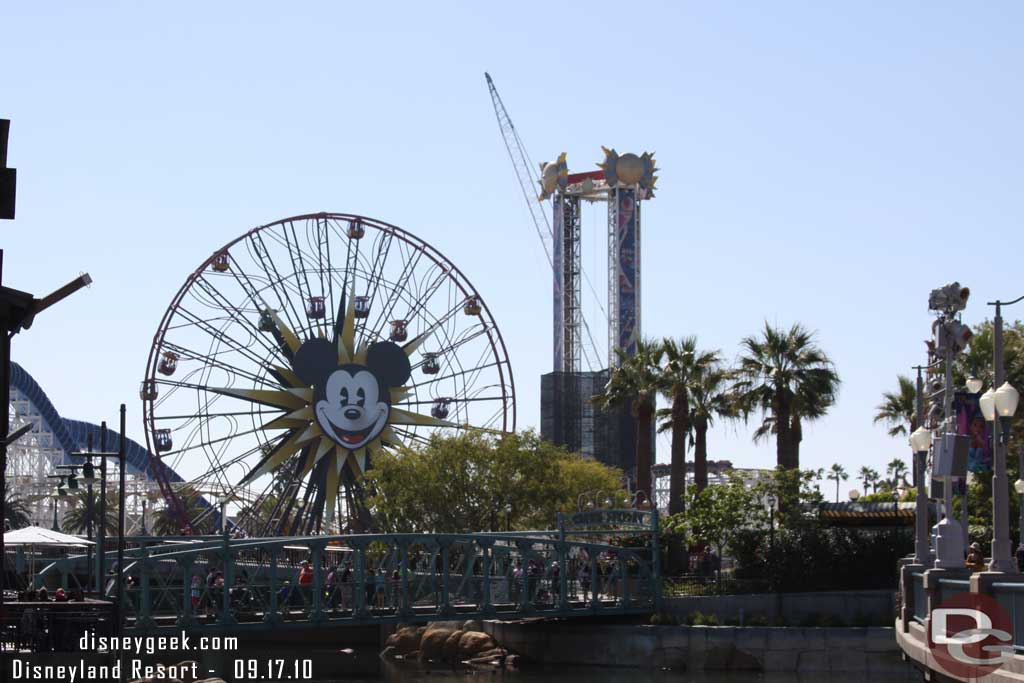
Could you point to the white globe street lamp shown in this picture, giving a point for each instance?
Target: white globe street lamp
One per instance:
(1006, 399)
(973, 384)
(921, 440)
(987, 403)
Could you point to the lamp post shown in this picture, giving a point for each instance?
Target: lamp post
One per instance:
(89, 474)
(89, 478)
(58, 492)
(920, 442)
(770, 501)
(1001, 403)
(998, 407)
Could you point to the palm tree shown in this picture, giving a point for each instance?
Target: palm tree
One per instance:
(837, 474)
(784, 375)
(76, 519)
(166, 523)
(896, 469)
(16, 509)
(898, 409)
(711, 397)
(685, 369)
(870, 477)
(636, 383)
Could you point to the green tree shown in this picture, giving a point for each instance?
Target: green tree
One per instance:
(76, 519)
(16, 508)
(636, 382)
(472, 481)
(717, 513)
(796, 492)
(837, 474)
(898, 408)
(787, 378)
(977, 359)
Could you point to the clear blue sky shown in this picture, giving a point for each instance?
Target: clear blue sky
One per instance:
(827, 163)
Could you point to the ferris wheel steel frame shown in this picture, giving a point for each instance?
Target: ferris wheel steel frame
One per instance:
(327, 224)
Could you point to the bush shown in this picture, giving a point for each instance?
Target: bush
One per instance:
(698, 619)
(664, 619)
(757, 620)
(816, 558)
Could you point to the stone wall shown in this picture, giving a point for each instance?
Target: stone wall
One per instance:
(851, 608)
(705, 648)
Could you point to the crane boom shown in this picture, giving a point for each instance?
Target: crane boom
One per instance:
(529, 181)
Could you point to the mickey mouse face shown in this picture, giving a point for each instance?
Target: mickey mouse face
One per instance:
(352, 402)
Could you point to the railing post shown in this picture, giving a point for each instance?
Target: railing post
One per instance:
(187, 616)
(624, 582)
(403, 558)
(563, 575)
(526, 599)
(359, 611)
(445, 608)
(656, 559)
(274, 614)
(142, 617)
(226, 617)
(318, 583)
(486, 546)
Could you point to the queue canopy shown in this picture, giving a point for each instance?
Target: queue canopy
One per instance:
(38, 536)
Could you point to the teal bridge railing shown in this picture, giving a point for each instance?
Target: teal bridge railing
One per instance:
(238, 585)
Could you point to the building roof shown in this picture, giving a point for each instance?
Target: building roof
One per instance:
(857, 514)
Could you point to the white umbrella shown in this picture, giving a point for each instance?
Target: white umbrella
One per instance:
(38, 536)
(35, 535)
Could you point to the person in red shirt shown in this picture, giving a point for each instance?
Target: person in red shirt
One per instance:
(306, 574)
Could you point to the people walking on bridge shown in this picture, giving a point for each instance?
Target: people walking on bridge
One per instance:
(584, 575)
(211, 582)
(396, 587)
(371, 586)
(346, 586)
(380, 584)
(517, 581)
(306, 574)
(196, 592)
(331, 592)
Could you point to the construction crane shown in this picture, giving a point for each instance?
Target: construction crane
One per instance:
(526, 172)
(529, 184)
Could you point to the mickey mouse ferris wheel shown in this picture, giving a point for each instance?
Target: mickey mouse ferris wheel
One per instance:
(299, 352)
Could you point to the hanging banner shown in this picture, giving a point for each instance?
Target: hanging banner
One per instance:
(971, 423)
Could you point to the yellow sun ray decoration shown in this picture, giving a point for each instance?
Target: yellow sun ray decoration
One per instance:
(341, 403)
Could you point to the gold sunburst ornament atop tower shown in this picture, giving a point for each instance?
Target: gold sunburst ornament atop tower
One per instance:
(340, 402)
(630, 170)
